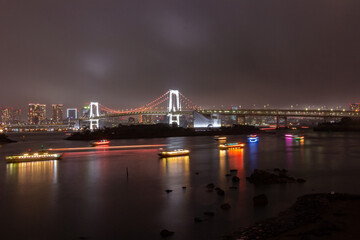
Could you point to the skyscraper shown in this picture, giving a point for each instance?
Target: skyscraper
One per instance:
(37, 113)
(57, 113)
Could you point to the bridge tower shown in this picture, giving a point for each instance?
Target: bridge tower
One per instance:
(174, 107)
(94, 112)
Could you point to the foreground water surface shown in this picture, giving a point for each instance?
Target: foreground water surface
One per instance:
(88, 195)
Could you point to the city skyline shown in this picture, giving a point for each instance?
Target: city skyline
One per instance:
(123, 54)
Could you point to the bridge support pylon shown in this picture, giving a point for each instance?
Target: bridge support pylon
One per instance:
(94, 112)
(174, 106)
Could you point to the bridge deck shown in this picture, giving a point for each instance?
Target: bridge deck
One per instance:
(252, 112)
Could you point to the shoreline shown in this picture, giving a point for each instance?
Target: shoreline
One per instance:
(5, 139)
(313, 216)
(156, 131)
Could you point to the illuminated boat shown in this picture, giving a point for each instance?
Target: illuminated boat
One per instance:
(36, 156)
(253, 138)
(218, 138)
(296, 137)
(100, 143)
(174, 153)
(231, 145)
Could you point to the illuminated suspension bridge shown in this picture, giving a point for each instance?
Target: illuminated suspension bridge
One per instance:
(179, 105)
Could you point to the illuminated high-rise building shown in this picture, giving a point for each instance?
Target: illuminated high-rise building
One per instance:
(57, 113)
(10, 115)
(37, 113)
(6, 115)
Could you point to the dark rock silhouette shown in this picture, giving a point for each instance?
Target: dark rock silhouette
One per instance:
(260, 200)
(168, 190)
(235, 179)
(166, 233)
(225, 206)
(210, 186)
(265, 177)
(220, 192)
(197, 220)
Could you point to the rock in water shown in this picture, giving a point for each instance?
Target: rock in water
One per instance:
(210, 186)
(166, 233)
(265, 177)
(220, 192)
(235, 179)
(197, 220)
(210, 214)
(260, 200)
(168, 190)
(225, 206)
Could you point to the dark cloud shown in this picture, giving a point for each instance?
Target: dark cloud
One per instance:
(125, 53)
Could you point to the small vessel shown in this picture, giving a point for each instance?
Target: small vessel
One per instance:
(101, 142)
(296, 137)
(253, 138)
(218, 138)
(32, 157)
(231, 145)
(174, 153)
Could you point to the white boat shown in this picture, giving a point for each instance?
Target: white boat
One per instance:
(174, 153)
(32, 157)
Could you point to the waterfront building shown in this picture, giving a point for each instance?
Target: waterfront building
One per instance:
(5, 115)
(354, 107)
(57, 113)
(10, 115)
(72, 113)
(37, 113)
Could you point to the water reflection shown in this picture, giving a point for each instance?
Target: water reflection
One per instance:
(33, 172)
(231, 159)
(253, 155)
(175, 168)
(236, 160)
(289, 151)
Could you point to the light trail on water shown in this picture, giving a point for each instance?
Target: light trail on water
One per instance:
(107, 147)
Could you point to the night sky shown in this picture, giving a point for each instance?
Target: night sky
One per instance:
(126, 53)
